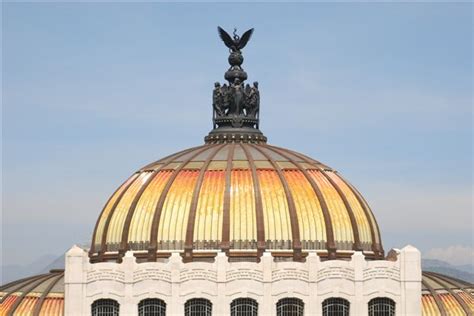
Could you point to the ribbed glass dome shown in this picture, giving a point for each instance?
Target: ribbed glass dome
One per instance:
(239, 197)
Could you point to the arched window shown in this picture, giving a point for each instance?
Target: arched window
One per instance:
(152, 307)
(198, 307)
(290, 306)
(244, 307)
(381, 306)
(335, 306)
(105, 307)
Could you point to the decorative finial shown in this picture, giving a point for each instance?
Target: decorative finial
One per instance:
(237, 43)
(236, 106)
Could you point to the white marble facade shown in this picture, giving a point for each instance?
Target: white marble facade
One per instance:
(175, 282)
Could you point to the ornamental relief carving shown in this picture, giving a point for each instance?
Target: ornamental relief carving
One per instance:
(335, 273)
(152, 274)
(244, 274)
(382, 273)
(105, 275)
(198, 274)
(290, 274)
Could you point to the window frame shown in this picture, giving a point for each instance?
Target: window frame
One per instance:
(98, 306)
(198, 302)
(342, 306)
(156, 307)
(294, 304)
(249, 304)
(388, 306)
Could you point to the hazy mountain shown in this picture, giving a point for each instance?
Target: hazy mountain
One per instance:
(41, 265)
(58, 263)
(462, 272)
(14, 272)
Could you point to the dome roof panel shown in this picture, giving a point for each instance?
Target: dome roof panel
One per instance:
(241, 217)
(239, 154)
(38, 295)
(210, 207)
(309, 213)
(141, 221)
(222, 154)
(443, 295)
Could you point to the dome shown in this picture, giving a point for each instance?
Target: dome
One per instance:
(41, 295)
(443, 295)
(235, 194)
(240, 197)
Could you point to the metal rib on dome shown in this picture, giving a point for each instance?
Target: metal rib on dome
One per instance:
(443, 295)
(241, 198)
(39, 295)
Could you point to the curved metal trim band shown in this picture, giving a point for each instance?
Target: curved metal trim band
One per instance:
(93, 250)
(376, 246)
(436, 297)
(441, 279)
(258, 203)
(103, 242)
(225, 242)
(355, 228)
(15, 289)
(330, 243)
(295, 230)
(158, 209)
(188, 245)
(27, 291)
(124, 241)
(40, 303)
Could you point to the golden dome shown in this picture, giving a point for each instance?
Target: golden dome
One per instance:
(235, 194)
(41, 295)
(239, 197)
(443, 295)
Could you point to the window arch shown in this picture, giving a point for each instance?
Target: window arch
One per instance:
(244, 307)
(105, 307)
(381, 306)
(290, 306)
(152, 307)
(336, 306)
(198, 307)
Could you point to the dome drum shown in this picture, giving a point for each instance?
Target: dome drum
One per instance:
(238, 197)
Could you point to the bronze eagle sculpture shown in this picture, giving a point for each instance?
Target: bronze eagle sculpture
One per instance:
(237, 43)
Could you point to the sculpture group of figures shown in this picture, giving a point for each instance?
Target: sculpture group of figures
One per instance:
(236, 100)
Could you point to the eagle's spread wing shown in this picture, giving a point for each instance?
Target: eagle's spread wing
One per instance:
(245, 38)
(228, 41)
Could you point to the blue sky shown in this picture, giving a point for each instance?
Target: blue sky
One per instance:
(93, 91)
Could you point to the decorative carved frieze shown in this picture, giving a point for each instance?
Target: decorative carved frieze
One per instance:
(290, 274)
(335, 273)
(105, 275)
(392, 273)
(152, 274)
(198, 274)
(244, 274)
